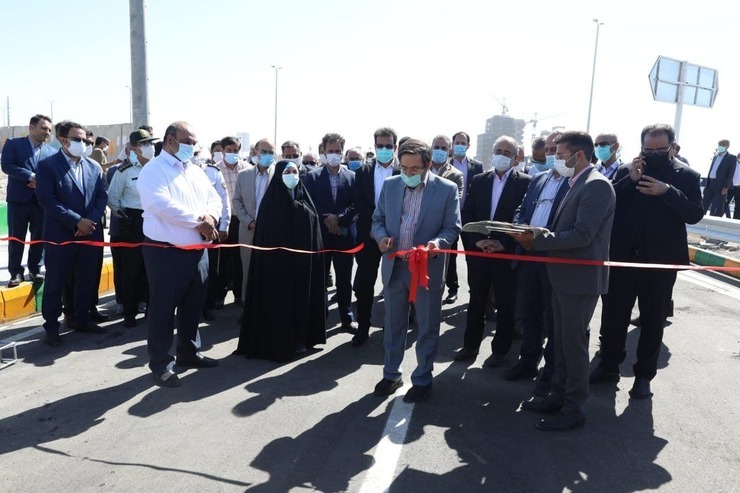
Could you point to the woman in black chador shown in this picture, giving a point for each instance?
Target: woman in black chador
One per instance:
(285, 303)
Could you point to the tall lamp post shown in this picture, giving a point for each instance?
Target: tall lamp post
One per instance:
(277, 68)
(593, 75)
(51, 104)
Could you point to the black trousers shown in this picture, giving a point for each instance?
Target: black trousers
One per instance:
(213, 284)
(177, 281)
(535, 296)
(116, 254)
(368, 262)
(21, 218)
(451, 280)
(482, 274)
(651, 287)
(133, 277)
(70, 287)
(230, 264)
(343, 280)
(713, 200)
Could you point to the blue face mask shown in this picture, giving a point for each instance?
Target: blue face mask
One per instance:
(411, 181)
(291, 180)
(603, 153)
(439, 156)
(354, 165)
(384, 155)
(550, 161)
(547, 165)
(267, 160)
(185, 152)
(459, 150)
(133, 158)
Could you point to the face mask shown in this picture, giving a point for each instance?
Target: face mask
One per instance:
(550, 161)
(562, 169)
(411, 181)
(501, 163)
(266, 160)
(291, 180)
(197, 160)
(322, 159)
(296, 161)
(77, 149)
(603, 153)
(185, 152)
(105, 150)
(547, 165)
(384, 155)
(217, 156)
(439, 156)
(148, 151)
(721, 149)
(658, 161)
(231, 158)
(88, 151)
(333, 160)
(255, 160)
(459, 150)
(132, 157)
(354, 165)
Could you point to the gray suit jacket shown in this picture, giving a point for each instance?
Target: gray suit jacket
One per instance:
(243, 203)
(449, 172)
(439, 220)
(581, 230)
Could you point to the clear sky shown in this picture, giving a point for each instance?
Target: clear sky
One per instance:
(421, 67)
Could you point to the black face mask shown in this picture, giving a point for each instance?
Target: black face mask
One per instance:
(658, 161)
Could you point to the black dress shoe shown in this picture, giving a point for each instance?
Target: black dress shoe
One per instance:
(90, 328)
(562, 422)
(15, 281)
(38, 277)
(451, 296)
(520, 372)
(359, 339)
(543, 386)
(600, 375)
(98, 317)
(197, 361)
(349, 327)
(129, 322)
(387, 387)
(53, 339)
(641, 389)
(545, 406)
(496, 360)
(208, 315)
(417, 393)
(167, 379)
(466, 354)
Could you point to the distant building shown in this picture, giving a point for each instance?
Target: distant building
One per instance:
(496, 127)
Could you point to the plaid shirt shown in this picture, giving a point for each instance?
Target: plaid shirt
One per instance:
(230, 175)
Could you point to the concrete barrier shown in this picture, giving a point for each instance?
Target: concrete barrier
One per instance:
(704, 257)
(25, 299)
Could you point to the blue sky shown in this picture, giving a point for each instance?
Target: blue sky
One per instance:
(422, 67)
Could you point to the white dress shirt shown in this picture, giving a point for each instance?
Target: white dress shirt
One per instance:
(543, 204)
(261, 180)
(175, 196)
(76, 172)
(497, 189)
(715, 165)
(381, 173)
(219, 185)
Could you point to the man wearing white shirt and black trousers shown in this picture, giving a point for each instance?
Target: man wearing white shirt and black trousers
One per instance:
(180, 208)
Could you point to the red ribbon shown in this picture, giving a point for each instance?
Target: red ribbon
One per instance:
(418, 259)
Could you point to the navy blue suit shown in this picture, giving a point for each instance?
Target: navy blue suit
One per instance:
(534, 295)
(319, 188)
(19, 163)
(64, 204)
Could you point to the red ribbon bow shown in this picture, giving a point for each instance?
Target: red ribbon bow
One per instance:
(419, 268)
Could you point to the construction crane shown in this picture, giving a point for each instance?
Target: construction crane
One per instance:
(534, 121)
(504, 108)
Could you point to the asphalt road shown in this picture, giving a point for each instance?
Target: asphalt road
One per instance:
(87, 417)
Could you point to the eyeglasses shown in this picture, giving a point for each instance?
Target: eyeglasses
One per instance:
(384, 146)
(655, 152)
(290, 156)
(604, 144)
(77, 139)
(309, 163)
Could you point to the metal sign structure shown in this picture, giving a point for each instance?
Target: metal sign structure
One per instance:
(681, 82)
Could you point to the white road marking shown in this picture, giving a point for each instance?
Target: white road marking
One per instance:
(710, 283)
(381, 474)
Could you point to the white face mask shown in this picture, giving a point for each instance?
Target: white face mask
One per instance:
(147, 151)
(501, 163)
(333, 160)
(88, 151)
(255, 160)
(562, 169)
(322, 159)
(217, 156)
(77, 149)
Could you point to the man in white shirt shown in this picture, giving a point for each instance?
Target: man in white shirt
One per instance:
(719, 179)
(180, 208)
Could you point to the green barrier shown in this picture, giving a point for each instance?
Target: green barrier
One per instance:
(4, 219)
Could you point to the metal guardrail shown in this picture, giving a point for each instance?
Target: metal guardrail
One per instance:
(717, 228)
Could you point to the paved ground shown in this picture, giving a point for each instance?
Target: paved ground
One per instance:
(86, 417)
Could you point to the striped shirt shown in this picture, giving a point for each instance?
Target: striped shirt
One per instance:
(543, 204)
(410, 215)
(230, 175)
(334, 182)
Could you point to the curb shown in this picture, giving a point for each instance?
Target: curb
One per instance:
(25, 299)
(705, 257)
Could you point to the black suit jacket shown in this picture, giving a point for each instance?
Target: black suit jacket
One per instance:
(478, 206)
(655, 225)
(725, 172)
(319, 188)
(475, 167)
(364, 198)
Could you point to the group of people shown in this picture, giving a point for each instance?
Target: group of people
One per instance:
(304, 212)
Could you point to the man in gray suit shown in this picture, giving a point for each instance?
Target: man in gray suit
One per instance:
(581, 230)
(416, 208)
(250, 187)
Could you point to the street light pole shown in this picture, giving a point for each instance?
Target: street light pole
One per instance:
(593, 75)
(277, 68)
(51, 104)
